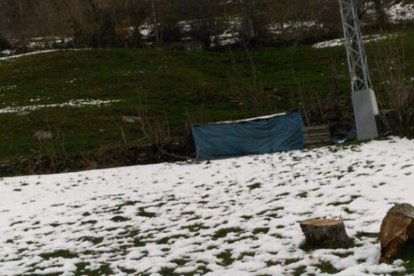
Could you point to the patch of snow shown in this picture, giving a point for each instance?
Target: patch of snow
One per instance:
(185, 26)
(6, 52)
(47, 42)
(7, 88)
(341, 41)
(146, 30)
(228, 217)
(227, 38)
(40, 52)
(401, 12)
(72, 103)
(250, 119)
(291, 26)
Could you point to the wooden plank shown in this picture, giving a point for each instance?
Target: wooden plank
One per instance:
(316, 130)
(323, 128)
(317, 139)
(316, 135)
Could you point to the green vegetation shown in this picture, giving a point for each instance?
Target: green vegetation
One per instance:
(407, 255)
(4, 43)
(246, 254)
(81, 269)
(261, 230)
(299, 270)
(308, 247)
(59, 254)
(226, 258)
(93, 240)
(196, 227)
(291, 261)
(362, 235)
(222, 233)
(167, 90)
(254, 186)
(166, 240)
(327, 267)
(119, 219)
(160, 85)
(143, 213)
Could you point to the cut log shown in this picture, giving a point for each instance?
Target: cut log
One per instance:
(325, 233)
(397, 228)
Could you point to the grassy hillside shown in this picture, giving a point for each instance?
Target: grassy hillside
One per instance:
(172, 88)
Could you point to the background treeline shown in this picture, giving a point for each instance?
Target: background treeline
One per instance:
(211, 23)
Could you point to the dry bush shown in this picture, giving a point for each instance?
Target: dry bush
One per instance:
(395, 94)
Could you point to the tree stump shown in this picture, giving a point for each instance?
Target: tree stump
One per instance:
(397, 228)
(325, 233)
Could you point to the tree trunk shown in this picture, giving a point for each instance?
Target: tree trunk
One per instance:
(155, 22)
(22, 23)
(322, 233)
(397, 228)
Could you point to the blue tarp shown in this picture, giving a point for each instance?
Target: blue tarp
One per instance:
(282, 132)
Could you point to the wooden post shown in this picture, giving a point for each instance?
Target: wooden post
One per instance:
(322, 233)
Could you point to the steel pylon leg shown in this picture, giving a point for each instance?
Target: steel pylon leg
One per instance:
(363, 96)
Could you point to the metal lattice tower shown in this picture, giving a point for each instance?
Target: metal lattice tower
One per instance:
(357, 63)
(363, 97)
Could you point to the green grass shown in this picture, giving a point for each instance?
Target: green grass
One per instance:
(254, 186)
(246, 217)
(183, 87)
(299, 270)
(261, 230)
(166, 240)
(59, 254)
(226, 258)
(93, 240)
(143, 213)
(246, 254)
(119, 219)
(362, 235)
(171, 88)
(291, 261)
(222, 233)
(328, 268)
(103, 270)
(196, 227)
(308, 247)
(407, 255)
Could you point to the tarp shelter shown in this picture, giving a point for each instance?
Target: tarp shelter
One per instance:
(274, 133)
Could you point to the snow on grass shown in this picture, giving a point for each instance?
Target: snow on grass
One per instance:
(72, 103)
(7, 88)
(341, 41)
(38, 53)
(229, 217)
(400, 12)
(29, 54)
(291, 26)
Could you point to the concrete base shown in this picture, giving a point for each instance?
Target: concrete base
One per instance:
(365, 111)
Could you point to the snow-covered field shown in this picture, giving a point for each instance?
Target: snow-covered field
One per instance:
(229, 217)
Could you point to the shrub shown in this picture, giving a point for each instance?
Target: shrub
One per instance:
(4, 43)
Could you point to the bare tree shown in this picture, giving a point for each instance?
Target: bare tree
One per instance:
(205, 19)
